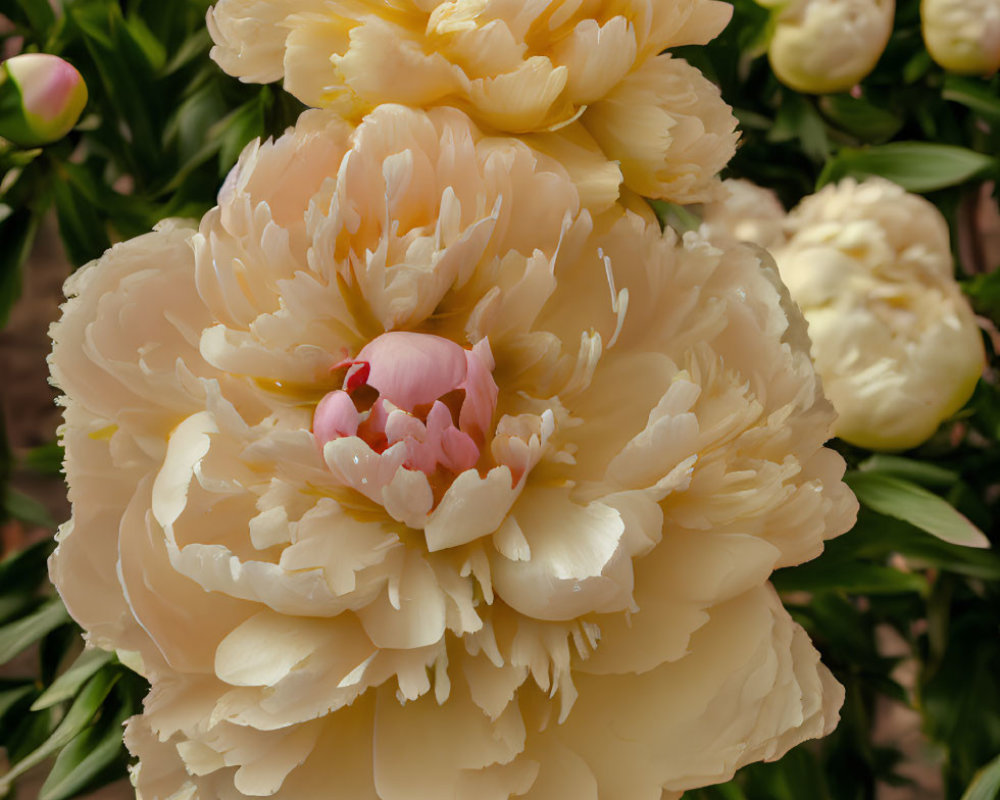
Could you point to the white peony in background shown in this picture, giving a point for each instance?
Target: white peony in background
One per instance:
(870, 265)
(410, 474)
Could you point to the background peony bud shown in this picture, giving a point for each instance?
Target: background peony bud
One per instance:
(963, 35)
(894, 339)
(41, 98)
(824, 46)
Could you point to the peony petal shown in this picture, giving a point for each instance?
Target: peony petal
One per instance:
(565, 573)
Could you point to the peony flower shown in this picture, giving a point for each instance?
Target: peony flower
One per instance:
(405, 476)
(825, 46)
(583, 76)
(893, 336)
(745, 212)
(963, 35)
(41, 98)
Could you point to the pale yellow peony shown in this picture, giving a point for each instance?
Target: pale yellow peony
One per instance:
(963, 35)
(406, 477)
(586, 74)
(893, 336)
(825, 46)
(744, 212)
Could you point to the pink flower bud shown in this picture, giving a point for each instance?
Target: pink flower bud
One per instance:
(41, 98)
(411, 373)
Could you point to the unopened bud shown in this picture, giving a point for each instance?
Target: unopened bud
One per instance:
(825, 46)
(41, 98)
(963, 35)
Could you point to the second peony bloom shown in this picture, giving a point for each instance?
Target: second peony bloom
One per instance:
(584, 81)
(893, 337)
(403, 476)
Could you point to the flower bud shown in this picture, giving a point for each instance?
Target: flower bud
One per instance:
(825, 46)
(963, 35)
(893, 337)
(41, 98)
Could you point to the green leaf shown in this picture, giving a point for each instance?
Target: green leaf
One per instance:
(151, 47)
(84, 759)
(40, 15)
(797, 118)
(84, 708)
(677, 217)
(984, 292)
(859, 117)
(17, 231)
(973, 94)
(916, 166)
(851, 577)
(906, 501)
(83, 231)
(20, 506)
(27, 734)
(68, 684)
(195, 46)
(910, 469)
(986, 784)
(46, 459)
(25, 568)
(16, 636)
(10, 697)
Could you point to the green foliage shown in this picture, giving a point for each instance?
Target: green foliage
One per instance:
(162, 127)
(986, 785)
(76, 717)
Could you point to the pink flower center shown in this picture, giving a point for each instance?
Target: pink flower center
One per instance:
(427, 392)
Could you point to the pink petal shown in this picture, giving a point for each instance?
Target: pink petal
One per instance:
(335, 416)
(481, 391)
(413, 369)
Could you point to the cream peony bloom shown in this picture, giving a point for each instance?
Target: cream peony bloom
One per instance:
(824, 46)
(745, 212)
(403, 476)
(893, 337)
(963, 35)
(586, 75)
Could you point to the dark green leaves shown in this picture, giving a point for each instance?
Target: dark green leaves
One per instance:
(17, 232)
(87, 756)
(916, 166)
(83, 710)
(861, 118)
(898, 498)
(68, 684)
(986, 785)
(84, 232)
(16, 636)
(25, 508)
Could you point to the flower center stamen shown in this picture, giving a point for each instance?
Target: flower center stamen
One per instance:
(424, 391)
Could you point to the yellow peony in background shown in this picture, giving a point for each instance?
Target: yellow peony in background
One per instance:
(275, 517)
(962, 35)
(827, 46)
(893, 337)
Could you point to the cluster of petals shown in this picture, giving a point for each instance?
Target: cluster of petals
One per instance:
(825, 46)
(893, 337)
(963, 35)
(404, 476)
(583, 79)
(744, 212)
